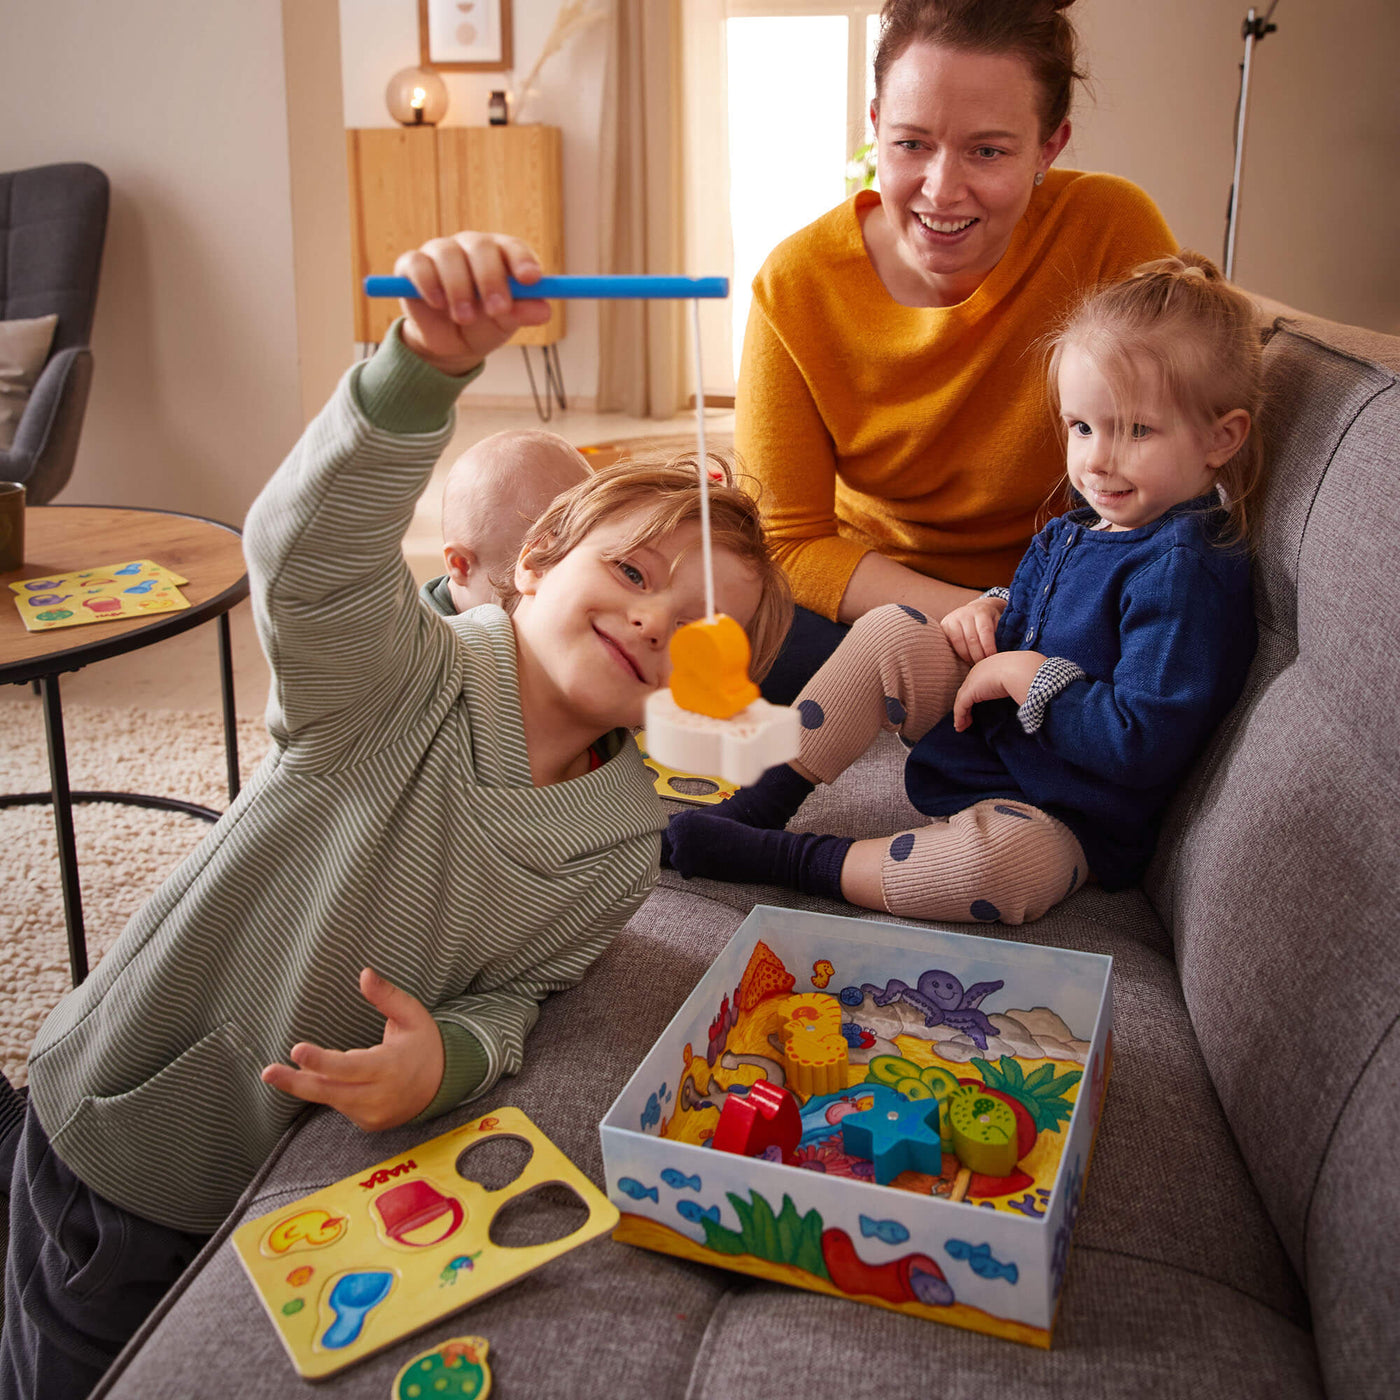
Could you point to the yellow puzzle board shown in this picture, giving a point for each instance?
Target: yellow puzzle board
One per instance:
(107, 593)
(359, 1264)
(702, 788)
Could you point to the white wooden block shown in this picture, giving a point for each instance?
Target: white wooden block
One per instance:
(737, 749)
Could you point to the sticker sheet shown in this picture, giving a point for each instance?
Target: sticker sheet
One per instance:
(107, 593)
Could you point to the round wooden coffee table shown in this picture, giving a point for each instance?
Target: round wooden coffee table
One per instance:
(62, 539)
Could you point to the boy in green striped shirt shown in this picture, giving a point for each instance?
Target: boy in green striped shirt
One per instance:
(450, 824)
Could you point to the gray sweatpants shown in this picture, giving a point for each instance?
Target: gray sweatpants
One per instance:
(81, 1274)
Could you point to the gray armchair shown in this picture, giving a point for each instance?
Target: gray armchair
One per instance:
(53, 219)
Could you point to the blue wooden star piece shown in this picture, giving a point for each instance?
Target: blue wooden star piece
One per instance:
(896, 1139)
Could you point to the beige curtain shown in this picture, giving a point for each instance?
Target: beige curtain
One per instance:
(641, 354)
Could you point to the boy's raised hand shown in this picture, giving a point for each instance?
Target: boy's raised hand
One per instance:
(464, 310)
(377, 1088)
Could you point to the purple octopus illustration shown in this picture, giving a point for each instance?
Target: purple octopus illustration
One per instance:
(940, 996)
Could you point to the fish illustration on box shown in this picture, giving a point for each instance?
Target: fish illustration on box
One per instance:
(679, 1181)
(651, 1114)
(634, 1188)
(979, 1259)
(694, 1212)
(886, 1231)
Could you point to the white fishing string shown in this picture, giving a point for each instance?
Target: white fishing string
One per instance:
(708, 563)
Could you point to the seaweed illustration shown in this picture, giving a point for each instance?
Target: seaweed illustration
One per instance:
(1041, 1092)
(787, 1238)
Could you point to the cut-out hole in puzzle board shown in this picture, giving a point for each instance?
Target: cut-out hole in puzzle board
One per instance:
(354, 1267)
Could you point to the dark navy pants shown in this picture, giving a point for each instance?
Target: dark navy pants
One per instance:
(810, 641)
(81, 1274)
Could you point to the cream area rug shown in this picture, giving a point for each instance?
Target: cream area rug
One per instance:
(123, 852)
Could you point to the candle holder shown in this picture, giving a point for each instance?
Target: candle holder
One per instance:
(416, 97)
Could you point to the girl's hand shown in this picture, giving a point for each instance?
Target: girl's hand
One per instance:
(1007, 674)
(465, 310)
(972, 629)
(377, 1088)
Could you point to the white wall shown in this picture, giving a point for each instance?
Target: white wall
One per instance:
(196, 395)
(377, 39)
(219, 322)
(1319, 221)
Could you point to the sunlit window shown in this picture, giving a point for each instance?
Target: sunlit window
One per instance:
(787, 135)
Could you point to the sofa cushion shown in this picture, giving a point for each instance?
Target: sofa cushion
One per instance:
(1176, 1271)
(24, 346)
(1278, 874)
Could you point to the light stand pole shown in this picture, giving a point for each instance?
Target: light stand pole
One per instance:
(1253, 31)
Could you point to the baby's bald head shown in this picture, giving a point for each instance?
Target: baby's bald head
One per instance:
(495, 491)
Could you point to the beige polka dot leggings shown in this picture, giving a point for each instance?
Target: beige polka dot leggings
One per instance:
(997, 859)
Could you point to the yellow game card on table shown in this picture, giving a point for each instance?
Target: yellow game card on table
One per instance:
(359, 1264)
(136, 588)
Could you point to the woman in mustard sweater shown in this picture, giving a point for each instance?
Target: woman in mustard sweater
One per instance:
(891, 397)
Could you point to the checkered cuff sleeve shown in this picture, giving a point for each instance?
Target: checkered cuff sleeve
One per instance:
(1003, 593)
(1055, 674)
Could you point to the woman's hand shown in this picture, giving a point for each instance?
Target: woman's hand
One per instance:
(464, 309)
(1007, 674)
(377, 1088)
(972, 629)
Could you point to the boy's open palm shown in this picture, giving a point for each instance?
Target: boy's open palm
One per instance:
(464, 309)
(376, 1088)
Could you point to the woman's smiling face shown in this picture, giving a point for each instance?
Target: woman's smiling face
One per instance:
(959, 145)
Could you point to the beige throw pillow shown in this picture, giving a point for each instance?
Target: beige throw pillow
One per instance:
(24, 347)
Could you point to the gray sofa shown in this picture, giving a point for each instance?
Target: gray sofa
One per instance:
(1240, 1233)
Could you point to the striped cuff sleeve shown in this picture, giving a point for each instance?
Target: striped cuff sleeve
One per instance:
(464, 1069)
(401, 393)
(1055, 674)
(1003, 593)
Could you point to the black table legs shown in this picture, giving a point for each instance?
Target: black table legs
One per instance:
(63, 828)
(63, 798)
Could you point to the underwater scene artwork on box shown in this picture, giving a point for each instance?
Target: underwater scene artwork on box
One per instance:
(898, 1115)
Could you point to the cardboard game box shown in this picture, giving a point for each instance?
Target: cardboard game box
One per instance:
(887, 1047)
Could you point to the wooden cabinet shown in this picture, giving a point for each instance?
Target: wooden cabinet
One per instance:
(408, 184)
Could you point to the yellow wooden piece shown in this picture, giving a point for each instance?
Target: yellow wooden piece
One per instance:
(710, 668)
(683, 787)
(984, 1131)
(815, 1052)
(411, 1243)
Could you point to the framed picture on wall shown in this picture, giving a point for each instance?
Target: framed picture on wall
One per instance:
(464, 36)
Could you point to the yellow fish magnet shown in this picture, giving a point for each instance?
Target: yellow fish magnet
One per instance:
(710, 668)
